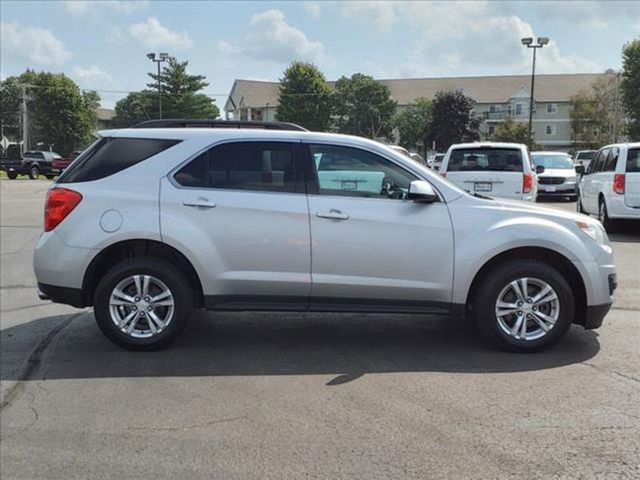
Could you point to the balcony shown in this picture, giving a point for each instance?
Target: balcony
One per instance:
(501, 115)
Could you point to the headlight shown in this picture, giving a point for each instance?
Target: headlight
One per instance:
(596, 232)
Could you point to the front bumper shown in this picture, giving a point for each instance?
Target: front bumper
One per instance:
(595, 315)
(563, 189)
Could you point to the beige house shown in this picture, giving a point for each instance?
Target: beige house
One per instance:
(497, 97)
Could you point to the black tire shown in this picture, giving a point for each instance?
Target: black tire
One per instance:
(12, 175)
(34, 171)
(579, 206)
(499, 277)
(50, 176)
(603, 215)
(165, 272)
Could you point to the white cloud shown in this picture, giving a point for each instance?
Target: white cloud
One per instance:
(312, 8)
(82, 7)
(595, 14)
(34, 44)
(152, 34)
(383, 14)
(272, 39)
(93, 73)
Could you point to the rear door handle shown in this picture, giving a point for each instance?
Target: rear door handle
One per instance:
(333, 214)
(200, 202)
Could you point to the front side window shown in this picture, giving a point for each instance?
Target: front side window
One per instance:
(598, 163)
(352, 172)
(260, 166)
(612, 159)
(485, 160)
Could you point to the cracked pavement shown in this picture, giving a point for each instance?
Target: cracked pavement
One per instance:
(274, 396)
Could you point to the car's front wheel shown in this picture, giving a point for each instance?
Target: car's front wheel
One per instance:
(523, 306)
(143, 304)
(12, 175)
(34, 171)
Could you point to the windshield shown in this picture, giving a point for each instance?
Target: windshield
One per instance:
(553, 161)
(485, 160)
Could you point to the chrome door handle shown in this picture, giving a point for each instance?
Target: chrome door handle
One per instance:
(333, 214)
(200, 202)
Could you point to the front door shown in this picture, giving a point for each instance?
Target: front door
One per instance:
(372, 249)
(240, 210)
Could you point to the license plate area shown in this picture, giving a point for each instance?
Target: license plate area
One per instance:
(482, 186)
(549, 188)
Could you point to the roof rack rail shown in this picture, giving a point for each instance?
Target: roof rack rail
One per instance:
(197, 123)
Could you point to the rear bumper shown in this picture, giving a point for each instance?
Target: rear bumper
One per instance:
(66, 295)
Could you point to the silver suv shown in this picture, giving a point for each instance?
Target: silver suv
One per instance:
(150, 223)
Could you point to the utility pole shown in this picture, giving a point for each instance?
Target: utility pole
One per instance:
(528, 42)
(25, 121)
(162, 57)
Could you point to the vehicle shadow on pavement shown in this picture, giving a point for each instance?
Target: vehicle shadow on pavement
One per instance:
(346, 345)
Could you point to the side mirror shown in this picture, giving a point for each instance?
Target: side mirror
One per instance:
(539, 169)
(580, 169)
(421, 191)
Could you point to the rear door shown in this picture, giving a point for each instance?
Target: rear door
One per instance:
(496, 172)
(632, 178)
(371, 248)
(240, 213)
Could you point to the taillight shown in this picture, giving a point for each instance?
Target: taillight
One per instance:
(527, 182)
(618, 183)
(60, 203)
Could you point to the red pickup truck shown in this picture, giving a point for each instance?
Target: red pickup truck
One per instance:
(59, 164)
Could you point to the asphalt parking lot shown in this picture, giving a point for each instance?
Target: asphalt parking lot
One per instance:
(273, 396)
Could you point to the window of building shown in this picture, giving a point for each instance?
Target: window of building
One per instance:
(550, 129)
(552, 108)
(518, 109)
(492, 129)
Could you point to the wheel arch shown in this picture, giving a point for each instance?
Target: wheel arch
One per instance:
(127, 249)
(545, 255)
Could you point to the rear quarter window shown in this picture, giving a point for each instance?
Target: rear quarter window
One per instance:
(633, 160)
(112, 155)
(485, 160)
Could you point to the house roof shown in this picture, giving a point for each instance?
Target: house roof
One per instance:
(494, 89)
(105, 113)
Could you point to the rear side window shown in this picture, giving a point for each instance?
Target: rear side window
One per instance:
(111, 155)
(259, 166)
(611, 160)
(485, 160)
(633, 160)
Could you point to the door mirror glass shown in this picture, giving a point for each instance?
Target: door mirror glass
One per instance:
(421, 191)
(539, 169)
(580, 169)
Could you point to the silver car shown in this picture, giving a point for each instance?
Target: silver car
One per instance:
(150, 223)
(559, 178)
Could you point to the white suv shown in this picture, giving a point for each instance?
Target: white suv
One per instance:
(149, 223)
(492, 168)
(610, 188)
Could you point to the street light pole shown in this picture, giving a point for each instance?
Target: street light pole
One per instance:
(528, 42)
(162, 57)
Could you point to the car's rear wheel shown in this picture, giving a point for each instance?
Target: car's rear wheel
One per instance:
(143, 304)
(524, 306)
(50, 176)
(34, 171)
(12, 175)
(603, 215)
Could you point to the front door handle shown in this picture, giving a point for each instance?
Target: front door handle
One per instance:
(200, 202)
(333, 214)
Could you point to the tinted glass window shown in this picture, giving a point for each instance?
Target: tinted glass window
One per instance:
(253, 166)
(597, 164)
(485, 160)
(633, 160)
(112, 155)
(195, 173)
(586, 155)
(34, 155)
(353, 172)
(611, 160)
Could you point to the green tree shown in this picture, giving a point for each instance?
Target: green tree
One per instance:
(180, 97)
(630, 86)
(453, 119)
(363, 106)
(305, 97)
(61, 116)
(414, 124)
(10, 117)
(514, 132)
(597, 115)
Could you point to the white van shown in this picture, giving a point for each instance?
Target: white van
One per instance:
(492, 169)
(610, 188)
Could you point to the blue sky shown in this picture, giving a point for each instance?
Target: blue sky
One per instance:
(102, 45)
